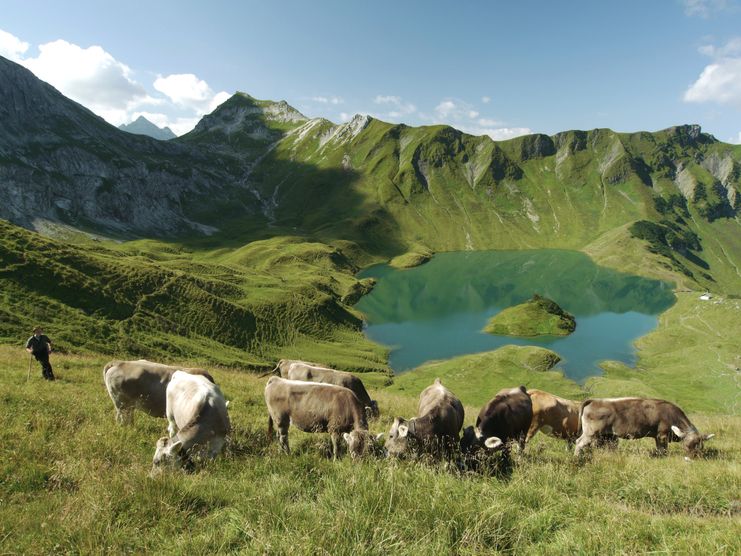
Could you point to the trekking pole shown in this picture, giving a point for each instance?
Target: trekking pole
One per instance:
(30, 360)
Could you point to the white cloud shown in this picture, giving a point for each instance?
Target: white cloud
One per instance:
(704, 8)
(92, 77)
(486, 100)
(345, 117)
(328, 99)
(496, 133)
(453, 110)
(730, 49)
(12, 47)
(188, 91)
(488, 122)
(398, 109)
(720, 81)
(387, 99)
(445, 109)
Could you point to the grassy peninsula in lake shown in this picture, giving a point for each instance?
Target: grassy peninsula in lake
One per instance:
(538, 316)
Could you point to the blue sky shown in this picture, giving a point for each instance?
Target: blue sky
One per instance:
(501, 68)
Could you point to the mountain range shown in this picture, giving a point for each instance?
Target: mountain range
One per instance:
(663, 204)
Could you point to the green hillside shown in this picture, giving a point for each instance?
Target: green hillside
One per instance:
(242, 308)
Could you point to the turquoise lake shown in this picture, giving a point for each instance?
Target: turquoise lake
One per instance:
(437, 310)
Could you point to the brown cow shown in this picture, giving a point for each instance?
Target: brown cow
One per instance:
(638, 418)
(317, 407)
(554, 416)
(312, 372)
(140, 385)
(435, 429)
(504, 419)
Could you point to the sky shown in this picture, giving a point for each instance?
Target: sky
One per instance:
(486, 67)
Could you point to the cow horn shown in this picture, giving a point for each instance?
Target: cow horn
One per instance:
(676, 430)
(708, 436)
(493, 443)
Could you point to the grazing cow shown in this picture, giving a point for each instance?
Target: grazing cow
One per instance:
(436, 428)
(317, 407)
(311, 372)
(140, 385)
(504, 419)
(638, 418)
(197, 418)
(554, 416)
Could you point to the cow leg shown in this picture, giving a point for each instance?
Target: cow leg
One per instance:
(125, 416)
(532, 431)
(609, 441)
(172, 428)
(335, 437)
(283, 436)
(662, 444)
(584, 441)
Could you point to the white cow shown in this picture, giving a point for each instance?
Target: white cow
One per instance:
(197, 417)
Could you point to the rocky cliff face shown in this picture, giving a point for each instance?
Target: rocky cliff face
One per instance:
(59, 162)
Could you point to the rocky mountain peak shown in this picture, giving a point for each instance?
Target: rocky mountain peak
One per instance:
(142, 126)
(244, 115)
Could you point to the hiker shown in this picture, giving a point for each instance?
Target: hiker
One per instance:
(39, 346)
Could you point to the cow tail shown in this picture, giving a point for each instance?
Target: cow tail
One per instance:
(107, 366)
(584, 404)
(274, 372)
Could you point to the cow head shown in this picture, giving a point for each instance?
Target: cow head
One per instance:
(371, 410)
(472, 441)
(168, 454)
(692, 440)
(401, 440)
(361, 442)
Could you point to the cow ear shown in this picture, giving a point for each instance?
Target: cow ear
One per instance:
(175, 447)
(708, 436)
(676, 430)
(403, 431)
(162, 442)
(346, 436)
(493, 443)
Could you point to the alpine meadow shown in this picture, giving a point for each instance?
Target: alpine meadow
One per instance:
(241, 243)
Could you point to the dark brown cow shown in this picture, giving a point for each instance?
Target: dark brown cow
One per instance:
(435, 429)
(312, 372)
(554, 416)
(638, 418)
(317, 407)
(141, 385)
(504, 419)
